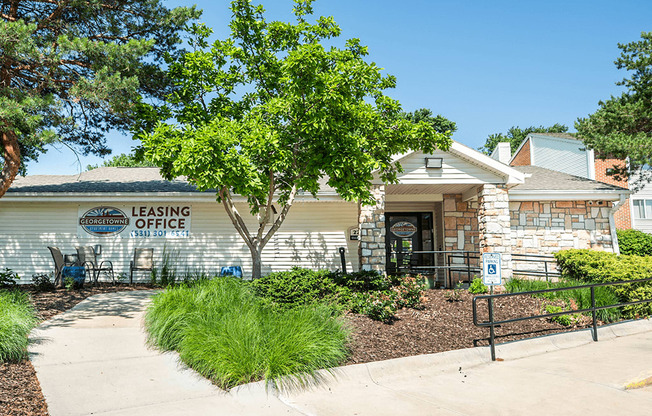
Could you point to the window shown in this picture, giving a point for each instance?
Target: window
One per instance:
(643, 209)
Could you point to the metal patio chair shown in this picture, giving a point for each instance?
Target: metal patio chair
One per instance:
(57, 256)
(88, 260)
(143, 262)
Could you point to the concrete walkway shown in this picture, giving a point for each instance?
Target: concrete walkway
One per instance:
(93, 360)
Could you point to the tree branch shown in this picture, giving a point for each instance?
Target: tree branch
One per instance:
(270, 196)
(281, 217)
(236, 218)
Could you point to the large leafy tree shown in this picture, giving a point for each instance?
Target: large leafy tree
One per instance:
(440, 123)
(515, 136)
(270, 110)
(621, 128)
(130, 160)
(71, 69)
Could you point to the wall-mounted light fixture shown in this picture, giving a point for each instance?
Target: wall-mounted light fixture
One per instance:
(98, 249)
(433, 162)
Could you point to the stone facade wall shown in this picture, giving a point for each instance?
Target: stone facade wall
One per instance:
(460, 224)
(547, 227)
(371, 221)
(494, 225)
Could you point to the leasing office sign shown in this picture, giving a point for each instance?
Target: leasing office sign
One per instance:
(135, 221)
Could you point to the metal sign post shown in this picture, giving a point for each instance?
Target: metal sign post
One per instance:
(491, 276)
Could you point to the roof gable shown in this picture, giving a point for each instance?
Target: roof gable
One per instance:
(460, 164)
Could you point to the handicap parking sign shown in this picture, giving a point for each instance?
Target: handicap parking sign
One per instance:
(491, 274)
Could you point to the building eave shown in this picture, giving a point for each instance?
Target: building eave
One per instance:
(565, 195)
(158, 197)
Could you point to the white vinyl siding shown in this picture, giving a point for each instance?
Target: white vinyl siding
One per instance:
(310, 237)
(642, 214)
(644, 194)
(563, 155)
(643, 209)
(454, 170)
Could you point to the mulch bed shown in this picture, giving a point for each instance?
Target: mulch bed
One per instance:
(442, 325)
(445, 325)
(20, 391)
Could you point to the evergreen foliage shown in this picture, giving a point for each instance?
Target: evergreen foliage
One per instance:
(621, 128)
(72, 70)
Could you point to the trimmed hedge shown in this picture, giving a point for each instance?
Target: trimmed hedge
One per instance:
(299, 286)
(366, 292)
(634, 242)
(601, 267)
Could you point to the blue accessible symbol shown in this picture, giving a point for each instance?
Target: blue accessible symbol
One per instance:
(492, 268)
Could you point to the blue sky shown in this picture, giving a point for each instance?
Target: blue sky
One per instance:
(487, 65)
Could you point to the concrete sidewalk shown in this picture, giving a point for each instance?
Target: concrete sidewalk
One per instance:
(93, 360)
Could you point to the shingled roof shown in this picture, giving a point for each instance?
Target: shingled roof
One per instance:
(111, 180)
(538, 178)
(101, 180)
(148, 180)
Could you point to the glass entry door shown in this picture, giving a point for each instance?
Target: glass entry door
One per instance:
(407, 234)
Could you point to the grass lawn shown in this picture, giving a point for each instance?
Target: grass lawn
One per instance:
(223, 331)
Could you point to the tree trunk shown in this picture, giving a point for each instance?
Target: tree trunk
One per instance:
(256, 263)
(11, 160)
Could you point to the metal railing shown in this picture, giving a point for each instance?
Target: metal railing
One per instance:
(471, 265)
(593, 309)
(547, 261)
(449, 267)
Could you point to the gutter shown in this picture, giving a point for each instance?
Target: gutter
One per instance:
(566, 195)
(612, 223)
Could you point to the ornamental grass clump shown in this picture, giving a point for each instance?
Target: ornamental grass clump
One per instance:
(17, 318)
(223, 331)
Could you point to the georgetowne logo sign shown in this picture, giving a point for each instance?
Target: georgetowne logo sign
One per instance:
(104, 221)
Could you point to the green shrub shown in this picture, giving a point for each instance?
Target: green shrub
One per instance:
(366, 292)
(477, 287)
(222, 330)
(42, 282)
(565, 320)
(17, 318)
(601, 267)
(634, 242)
(407, 291)
(364, 281)
(8, 279)
(300, 286)
(379, 306)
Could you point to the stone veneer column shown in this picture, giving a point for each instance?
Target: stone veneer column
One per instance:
(494, 225)
(371, 221)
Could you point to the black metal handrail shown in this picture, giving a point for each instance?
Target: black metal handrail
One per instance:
(535, 258)
(593, 309)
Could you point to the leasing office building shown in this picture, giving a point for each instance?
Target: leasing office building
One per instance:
(458, 200)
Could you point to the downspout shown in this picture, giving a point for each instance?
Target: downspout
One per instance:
(612, 223)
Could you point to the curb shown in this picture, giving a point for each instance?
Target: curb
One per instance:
(455, 360)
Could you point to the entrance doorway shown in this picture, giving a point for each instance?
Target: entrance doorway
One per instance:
(408, 234)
